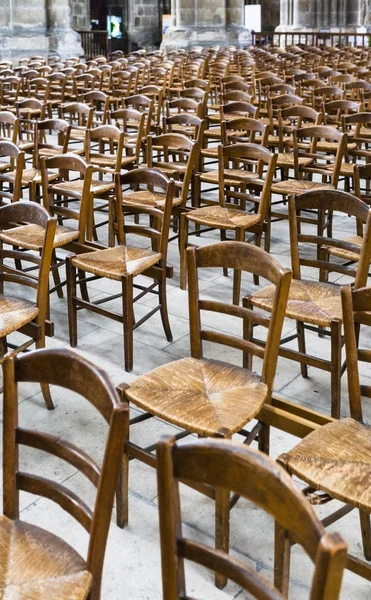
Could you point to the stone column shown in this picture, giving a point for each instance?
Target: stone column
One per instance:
(62, 38)
(36, 27)
(206, 23)
(311, 15)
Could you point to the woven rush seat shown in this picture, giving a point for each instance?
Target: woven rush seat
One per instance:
(116, 262)
(109, 161)
(37, 564)
(14, 313)
(76, 187)
(284, 159)
(147, 198)
(4, 166)
(336, 459)
(47, 152)
(222, 217)
(314, 302)
(77, 134)
(210, 152)
(298, 186)
(214, 132)
(332, 146)
(238, 176)
(29, 175)
(202, 396)
(357, 240)
(345, 169)
(31, 236)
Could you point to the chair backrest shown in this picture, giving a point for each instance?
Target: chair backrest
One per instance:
(58, 126)
(244, 158)
(305, 145)
(72, 372)
(9, 126)
(34, 214)
(240, 109)
(244, 130)
(162, 148)
(158, 229)
(323, 202)
(356, 306)
(16, 163)
(110, 142)
(77, 114)
(64, 164)
(255, 476)
(250, 259)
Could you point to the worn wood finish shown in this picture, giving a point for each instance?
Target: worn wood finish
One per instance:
(341, 469)
(318, 303)
(53, 567)
(210, 397)
(249, 473)
(19, 314)
(244, 208)
(124, 262)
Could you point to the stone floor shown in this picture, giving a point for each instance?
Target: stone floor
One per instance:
(132, 567)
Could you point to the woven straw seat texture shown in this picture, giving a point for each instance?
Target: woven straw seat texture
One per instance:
(31, 237)
(14, 313)
(235, 175)
(116, 262)
(222, 217)
(105, 160)
(202, 396)
(210, 152)
(345, 169)
(29, 175)
(4, 166)
(147, 198)
(76, 187)
(38, 565)
(336, 459)
(215, 133)
(347, 254)
(298, 186)
(312, 302)
(284, 159)
(333, 146)
(50, 151)
(77, 134)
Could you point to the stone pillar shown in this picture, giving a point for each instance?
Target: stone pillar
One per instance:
(206, 23)
(62, 38)
(311, 15)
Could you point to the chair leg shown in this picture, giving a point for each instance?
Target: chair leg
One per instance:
(222, 511)
(71, 305)
(301, 345)
(223, 237)
(366, 533)
(335, 369)
(45, 388)
(128, 320)
(183, 241)
(163, 307)
(55, 273)
(240, 236)
(282, 551)
(122, 491)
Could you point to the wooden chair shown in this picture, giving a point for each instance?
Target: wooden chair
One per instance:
(19, 313)
(315, 305)
(80, 117)
(54, 568)
(229, 467)
(124, 262)
(310, 157)
(205, 396)
(144, 105)
(250, 179)
(187, 124)
(131, 123)
(9, 127)
(11, 170)
(336, 470)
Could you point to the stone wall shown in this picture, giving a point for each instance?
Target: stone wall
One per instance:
(80, 14)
